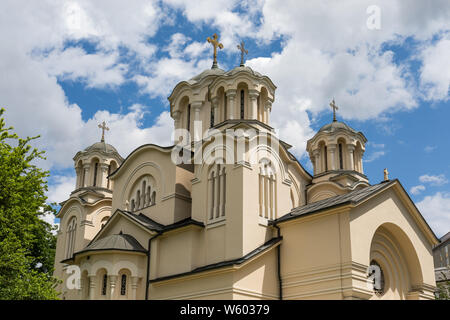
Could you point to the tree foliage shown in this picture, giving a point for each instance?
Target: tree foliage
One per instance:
(27, 245)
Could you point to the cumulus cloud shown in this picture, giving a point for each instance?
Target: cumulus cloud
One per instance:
(435, 70)
(436, 210)
(417, 189)
(61, 187)
(434, 180)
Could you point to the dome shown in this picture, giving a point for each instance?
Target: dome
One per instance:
(244, 68)
(208, 72)
(336, 125)
(102, 147)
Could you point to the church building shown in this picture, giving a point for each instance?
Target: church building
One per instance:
(228, 212)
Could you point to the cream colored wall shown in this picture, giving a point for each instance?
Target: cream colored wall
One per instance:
(312, 254)
(150, 160)
(388, 208)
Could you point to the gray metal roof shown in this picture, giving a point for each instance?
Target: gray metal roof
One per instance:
(123, 242)
(352, 197)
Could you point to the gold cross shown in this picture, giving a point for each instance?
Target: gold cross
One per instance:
(215, 42)
(241, 47)
(103, 127)
(334, 107)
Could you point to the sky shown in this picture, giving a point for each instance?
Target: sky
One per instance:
(66, 66)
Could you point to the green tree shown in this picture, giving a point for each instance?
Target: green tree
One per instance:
(27, 245)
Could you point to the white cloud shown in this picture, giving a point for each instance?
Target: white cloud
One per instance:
(438, 180)
(417, 189)
(97, 69)
(60, 188)
(436, 210)
(435, 71)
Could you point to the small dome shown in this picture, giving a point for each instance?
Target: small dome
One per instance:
(101, 146)
(336, 125)
(244, 68)
(208, 72)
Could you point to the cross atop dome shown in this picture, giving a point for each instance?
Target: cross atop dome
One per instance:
(243, 50)
(103, 127)
(334, 107)
(215, 43)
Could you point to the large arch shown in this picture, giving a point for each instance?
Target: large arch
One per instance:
(394, 252)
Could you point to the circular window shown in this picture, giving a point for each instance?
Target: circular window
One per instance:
(378, 279)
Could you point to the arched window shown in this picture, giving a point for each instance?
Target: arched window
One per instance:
(123, 285)
(149, 196)
(95, 174)
(143, 199)
(109, 172)
(104, 284)
(104, 220)
(225, 107)
(133, 205)
(138, 199)
(188, 118)
(267, 190)
(71, 235)
(242, 103)
(154, 197)
(211, 123)
(341, 157)
(217, 192)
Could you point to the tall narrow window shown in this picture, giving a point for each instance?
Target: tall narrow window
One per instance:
(267, 191)
(216, 192)
(123, 285)
(325, 158)
(104, 284)
(242, 103)
(225, 107)
(341, 158)
(71, 235)
(188, 124)
(154, 197)
(109, 172)
(143, 200)
(95, 174)
(211, 124)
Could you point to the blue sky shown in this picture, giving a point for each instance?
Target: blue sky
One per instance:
(67, 66)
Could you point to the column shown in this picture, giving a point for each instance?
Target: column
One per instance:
(211, 205)
(351, 149)
(267, 109)
(361, 161)
(78, 170)
(253, 95)
(134, 285)
(86, 174)
(103, 175)
(198, 125)
(92, 280)
(231, 96)
(215, 108)
(316, 157)
(332, 149)
(112, 285)
(177, 117)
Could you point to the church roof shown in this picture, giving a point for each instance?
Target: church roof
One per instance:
(123, 242)
(120, 242)
(353, 197)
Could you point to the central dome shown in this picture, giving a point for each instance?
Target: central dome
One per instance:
(208, 72)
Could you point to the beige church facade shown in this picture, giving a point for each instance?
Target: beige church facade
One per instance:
(229, 213)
